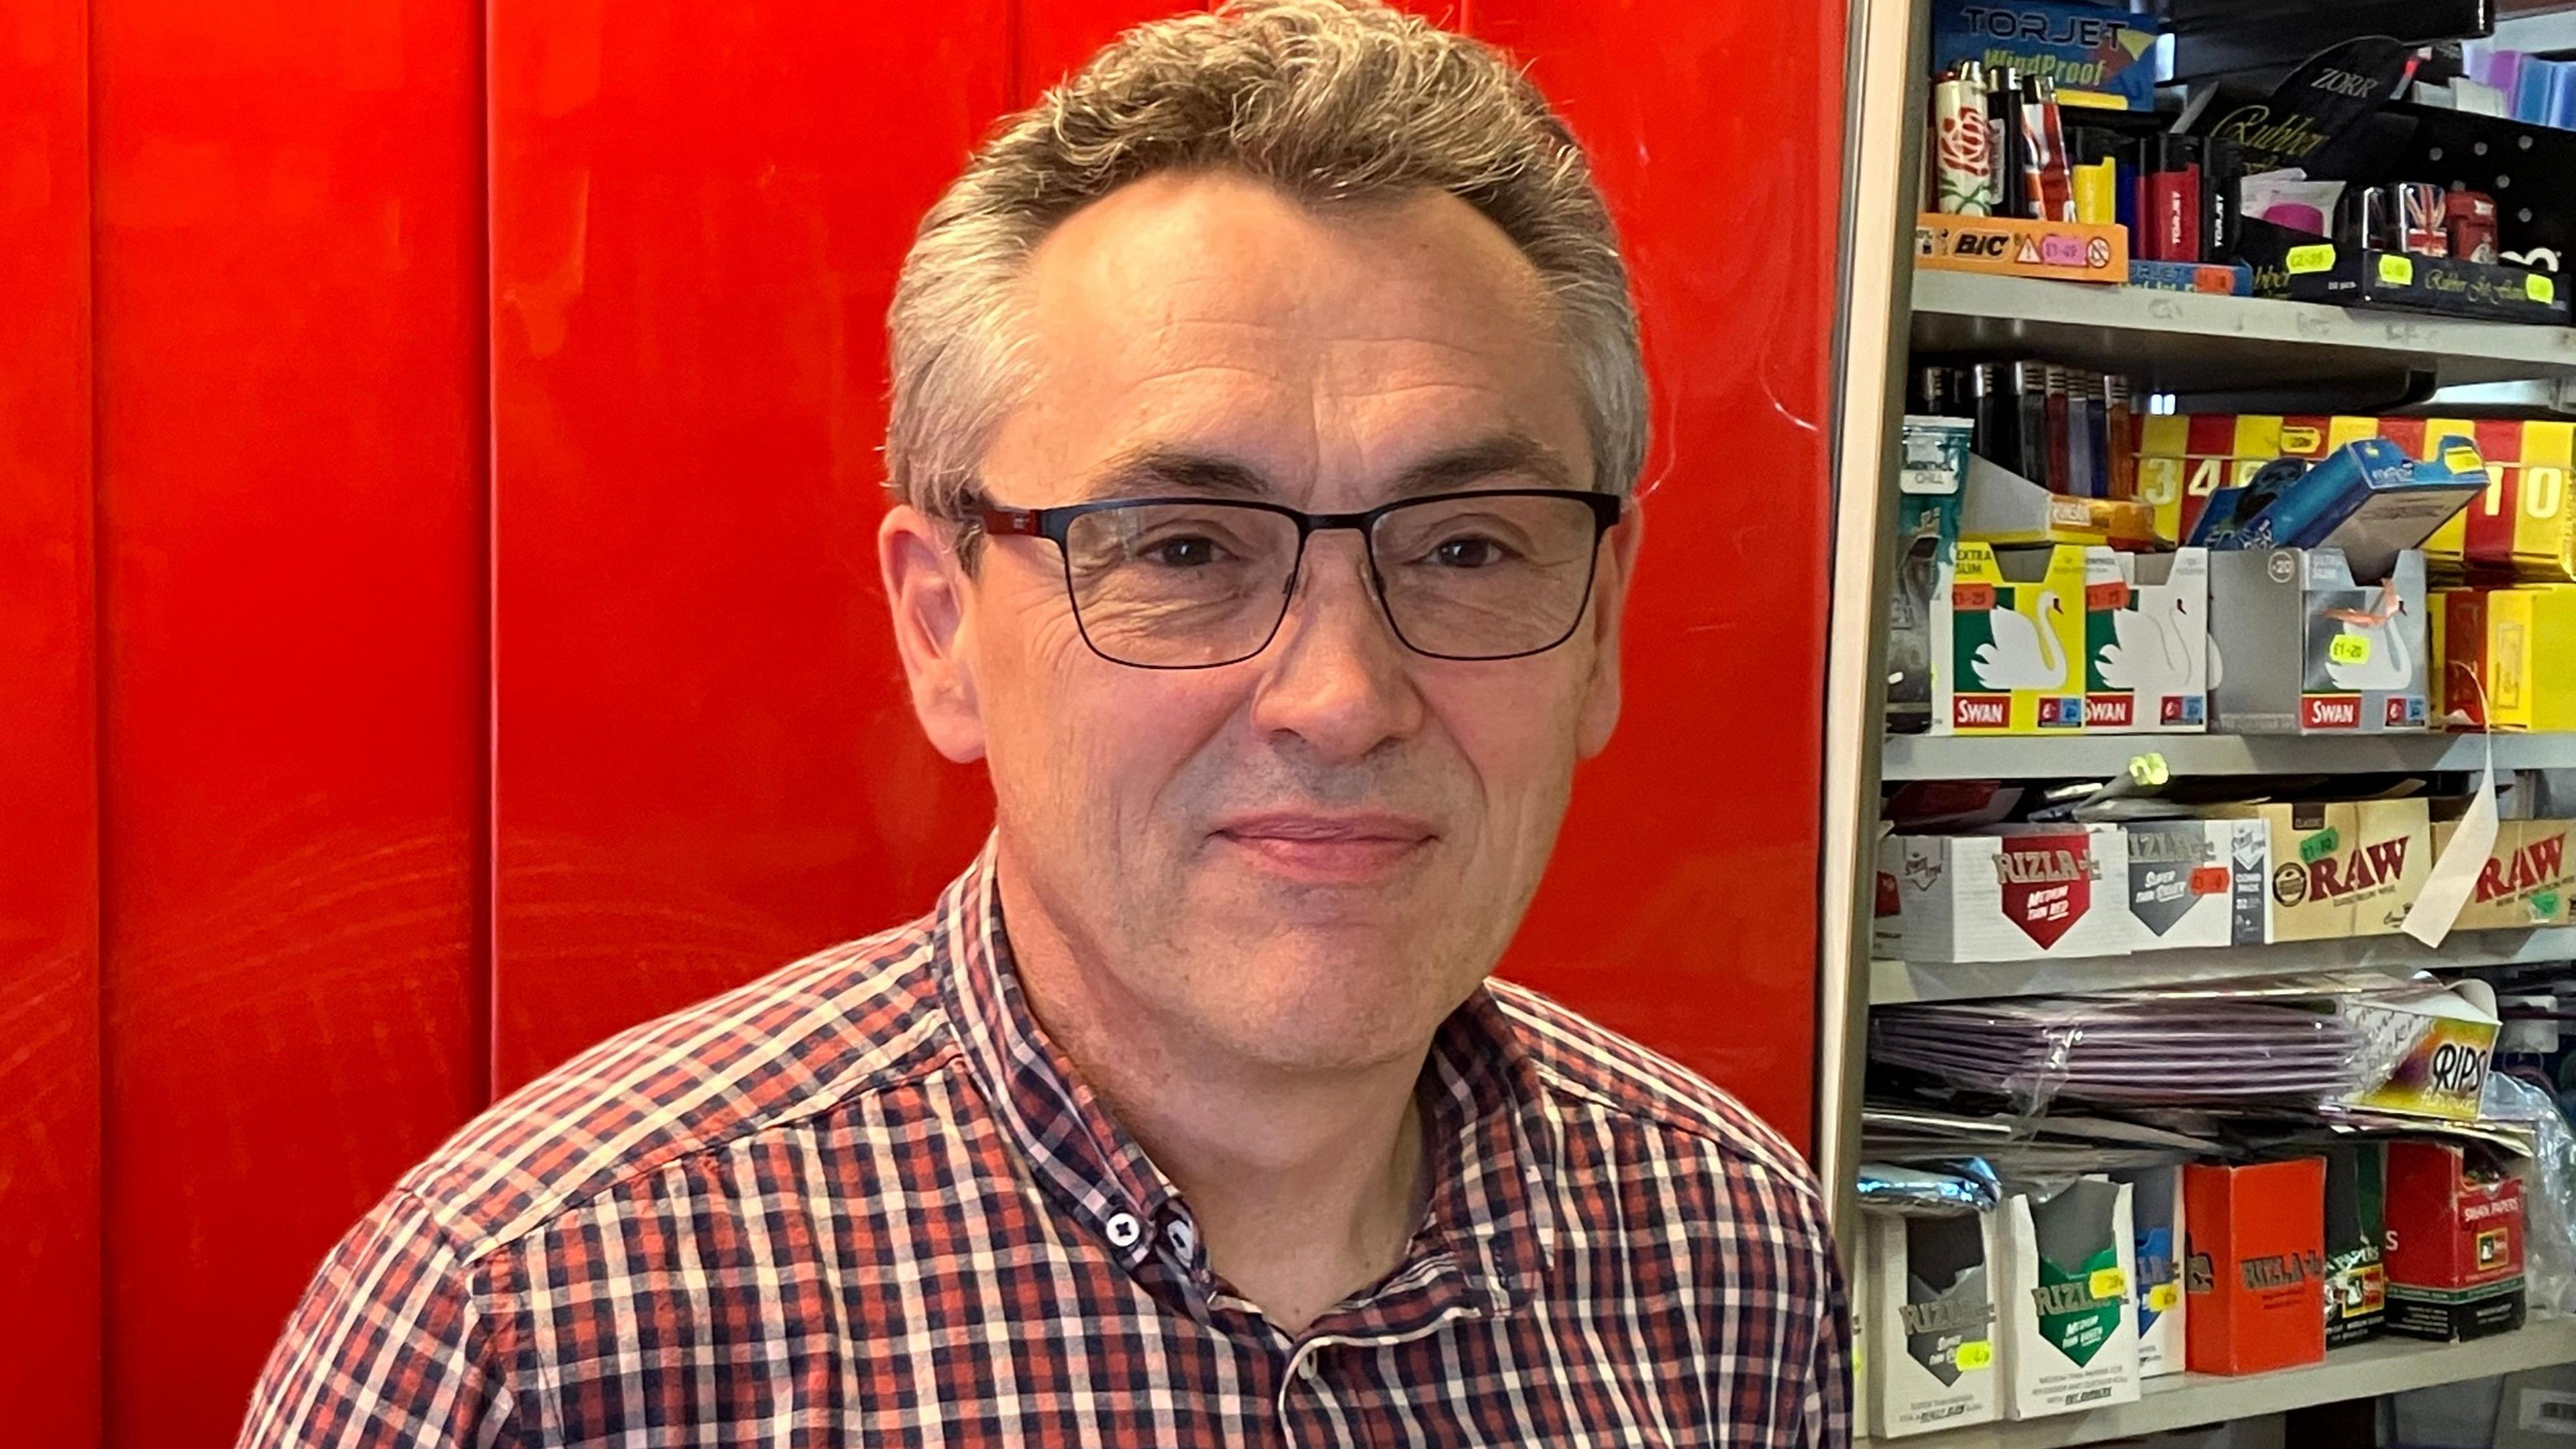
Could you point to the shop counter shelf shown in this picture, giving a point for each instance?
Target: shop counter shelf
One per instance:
(2187, 342)
(1893, 982)
(1988, 757)
(2183, 1401)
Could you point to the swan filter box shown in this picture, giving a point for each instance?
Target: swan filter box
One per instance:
(2007, 641)
(2025, 893)
(2146, 641)
(2340, 868)
(2070, 1320)
(2310, 649)
(1930, 1309)
(2198, 883)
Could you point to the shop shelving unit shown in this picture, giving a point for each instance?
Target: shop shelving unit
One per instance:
(2224, 353)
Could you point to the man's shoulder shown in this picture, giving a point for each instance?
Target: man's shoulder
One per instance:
(1602, 1071)
(853, 1019)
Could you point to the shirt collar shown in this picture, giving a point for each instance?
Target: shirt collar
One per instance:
(1489, 1206)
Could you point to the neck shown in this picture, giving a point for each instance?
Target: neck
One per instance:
(1305, 1186)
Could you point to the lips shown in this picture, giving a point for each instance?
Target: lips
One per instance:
(1317, 848)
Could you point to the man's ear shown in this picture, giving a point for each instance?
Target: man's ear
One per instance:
(927, 589)
(1600, 712)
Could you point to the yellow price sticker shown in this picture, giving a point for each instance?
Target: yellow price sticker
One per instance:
(2349, 649)
(2149, 769)
(2162, 1297)
(2540, 289)
(1975, 1354)
(2397, 271)
(2109, 1283)
(2316, 257)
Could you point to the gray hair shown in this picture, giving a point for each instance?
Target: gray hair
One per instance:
(1329, 100)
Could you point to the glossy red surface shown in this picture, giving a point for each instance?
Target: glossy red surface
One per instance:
(289, 398)
(49, 1139)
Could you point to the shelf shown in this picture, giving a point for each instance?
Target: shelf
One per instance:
(1988, 757)
(2183, 1401)
(2186, 342)
(1894, 982)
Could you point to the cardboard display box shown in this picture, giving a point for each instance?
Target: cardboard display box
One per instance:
(2342, 868)
(2066, 251)
(2156, 1212)
(1930, 1302)
(2146, 641)
(2095, 57)
(2425, 1052)
(2306, 649)
(2069, 1315)
(2257, 1271)
(2027, 893)
(2008, 642)
(2524, 526)
(2356, 1223)
(2454, 1242)
(2199, 882)
(2003, 508)
(2527, 880)
(2185, 459)
(2405, 282)
(2508, 657)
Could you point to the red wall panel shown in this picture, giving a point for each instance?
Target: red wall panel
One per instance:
(1682, 902)
(707, 761)
(289, 372)
(49, 1142)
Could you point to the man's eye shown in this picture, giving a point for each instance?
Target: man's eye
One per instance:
(1182, 551)
(1468, 553)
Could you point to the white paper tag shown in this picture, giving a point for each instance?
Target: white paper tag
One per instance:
(2455, 875)
(2547, 1411)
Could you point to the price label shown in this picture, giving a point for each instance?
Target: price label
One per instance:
(2349, 649)
(2544, 904)
(2316, 257)
(2208, 880)
(1975, 1354)
(2109, 1283)
(2396, 271)
(2540, 289)
(2320, 845)
(2162, 1297)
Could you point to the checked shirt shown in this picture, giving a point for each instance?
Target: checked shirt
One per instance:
(866, 1201)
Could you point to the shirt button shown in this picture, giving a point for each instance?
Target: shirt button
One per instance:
(1179, 1235)
(1124, 1230)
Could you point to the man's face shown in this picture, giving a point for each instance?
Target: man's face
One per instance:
(1308, 858)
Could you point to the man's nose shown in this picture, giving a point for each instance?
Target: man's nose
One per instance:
(1336, 676)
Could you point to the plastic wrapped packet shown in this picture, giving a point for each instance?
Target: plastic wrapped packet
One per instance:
(2549, 1194)
(1953, 1188)
(2123, 1051)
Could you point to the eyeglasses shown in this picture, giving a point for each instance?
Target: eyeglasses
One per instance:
(1195, 583)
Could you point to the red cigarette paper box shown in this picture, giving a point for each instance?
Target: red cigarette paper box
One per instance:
(2454, 1242)
(2256, 1271)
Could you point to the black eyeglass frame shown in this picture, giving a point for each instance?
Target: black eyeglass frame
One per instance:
(1055, 524)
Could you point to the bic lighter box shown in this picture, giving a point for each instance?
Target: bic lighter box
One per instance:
(2156, 1211)
(2030, 892)
(2343, 868)
(2146, 641)
(1931, 1311)
(2199, 882)
(2308, 650)
(2258, 1265)
(2454, 1242)
(2008, 642)
(2526, 879)
(2069, 1316)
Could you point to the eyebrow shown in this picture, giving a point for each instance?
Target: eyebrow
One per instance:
(1160, 469)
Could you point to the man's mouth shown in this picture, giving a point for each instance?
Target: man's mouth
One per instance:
(1329, 848)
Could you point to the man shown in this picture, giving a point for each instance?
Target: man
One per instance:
(1267, 403)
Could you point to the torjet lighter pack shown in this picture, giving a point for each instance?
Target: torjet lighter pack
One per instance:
(2307, 650)
(2155, 1203)
(2199, 882)
(2030, 892)
(2146, 641)
(2008, 642)
(1931, 1312)
(2342, 868)
(2070, 1317)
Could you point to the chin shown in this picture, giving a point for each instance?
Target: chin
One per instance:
(1340, 1003)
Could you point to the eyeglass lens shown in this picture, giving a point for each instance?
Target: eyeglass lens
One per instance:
(1175, 585)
